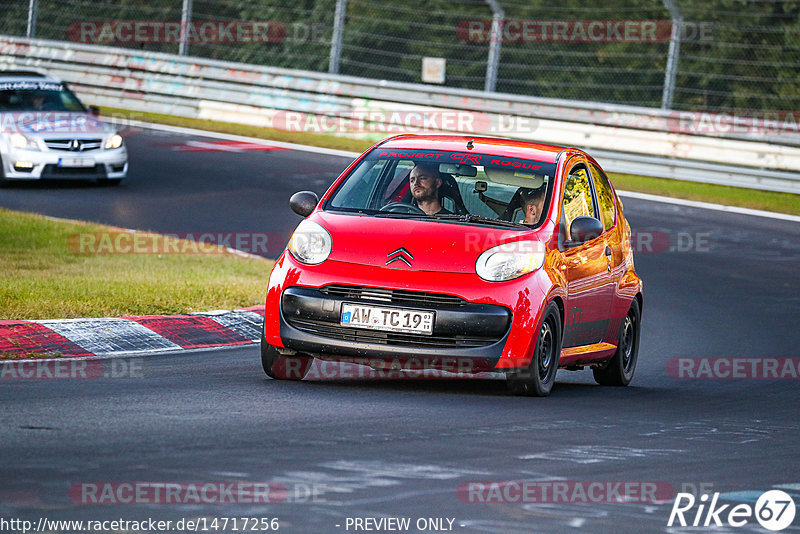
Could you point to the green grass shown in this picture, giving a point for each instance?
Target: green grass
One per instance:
(44, 278)
(718, 194)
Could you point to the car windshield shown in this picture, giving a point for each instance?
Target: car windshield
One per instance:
(37, 96)
(469, 188)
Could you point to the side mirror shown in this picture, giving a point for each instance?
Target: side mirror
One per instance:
(585, 229)
(303, 202)
(94, 110)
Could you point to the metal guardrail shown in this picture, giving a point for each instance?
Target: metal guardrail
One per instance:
(256, 95)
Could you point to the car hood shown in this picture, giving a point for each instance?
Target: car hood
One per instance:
(47, 123)
(426, 245)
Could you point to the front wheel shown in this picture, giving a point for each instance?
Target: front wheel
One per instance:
(538, 378)
(3, 181)
(282, 367)
(620, 368)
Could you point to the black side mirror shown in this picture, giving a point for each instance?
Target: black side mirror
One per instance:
(303, 202)
(94, 110)
(585, 229)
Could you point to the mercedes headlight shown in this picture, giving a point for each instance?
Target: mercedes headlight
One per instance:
(310, 243)
(20, 141)
(115, 141)
(510, 260)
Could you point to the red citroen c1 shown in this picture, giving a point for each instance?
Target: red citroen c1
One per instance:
(506, 256)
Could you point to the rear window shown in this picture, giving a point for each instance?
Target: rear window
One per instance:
(446, 185)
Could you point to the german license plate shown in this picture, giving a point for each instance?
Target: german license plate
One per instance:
(389, 319)
(75, 162)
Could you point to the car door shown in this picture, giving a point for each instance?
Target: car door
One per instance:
(614, 238)
(586, 265)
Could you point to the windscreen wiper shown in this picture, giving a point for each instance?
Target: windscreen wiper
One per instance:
(401, 215)
(470, 218)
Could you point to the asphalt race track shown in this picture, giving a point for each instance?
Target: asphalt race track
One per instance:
(402, 448)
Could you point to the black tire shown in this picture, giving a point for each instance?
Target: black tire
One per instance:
(3, 181)
(538, 378)
(283, 367)
(620, 368)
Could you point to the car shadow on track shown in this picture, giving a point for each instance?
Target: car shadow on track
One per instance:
(492, 387)
(34, 185)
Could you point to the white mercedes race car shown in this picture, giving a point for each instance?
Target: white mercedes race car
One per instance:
(46, 132)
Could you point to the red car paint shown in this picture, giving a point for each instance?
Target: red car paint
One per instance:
(593, 290)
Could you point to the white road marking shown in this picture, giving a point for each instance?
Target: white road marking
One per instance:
(102, 336)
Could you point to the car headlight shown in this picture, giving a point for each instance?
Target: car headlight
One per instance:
(115, 141)
(310, 243)
(509, 261)
(20, 141)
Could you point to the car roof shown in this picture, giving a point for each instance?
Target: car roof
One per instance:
(26, 76)
(485, 145)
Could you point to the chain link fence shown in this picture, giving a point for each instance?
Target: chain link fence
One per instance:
(728, 55)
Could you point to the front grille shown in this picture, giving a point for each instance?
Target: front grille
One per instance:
(393, 296)
(84, 145)
(54, 171)
(336, 331)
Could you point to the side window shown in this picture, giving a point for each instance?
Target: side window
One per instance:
(605, 198)
(577, 196)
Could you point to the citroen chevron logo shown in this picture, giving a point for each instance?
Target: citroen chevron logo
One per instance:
(401, 254)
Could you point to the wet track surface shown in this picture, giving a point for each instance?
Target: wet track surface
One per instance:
(401, 448)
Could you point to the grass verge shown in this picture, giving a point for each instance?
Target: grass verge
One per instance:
(718, 194)
(43, 278)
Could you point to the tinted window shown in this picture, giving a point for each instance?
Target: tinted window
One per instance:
(37, 96)
(605, 198)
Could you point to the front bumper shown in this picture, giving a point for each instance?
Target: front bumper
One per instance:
(522, 302)
(48, 164)
(310, 323)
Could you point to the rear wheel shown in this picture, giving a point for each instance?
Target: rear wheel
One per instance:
(538, 378)
(620, 368)
(282, 367)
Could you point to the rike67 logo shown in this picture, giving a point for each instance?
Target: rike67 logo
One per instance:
(774, 510)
